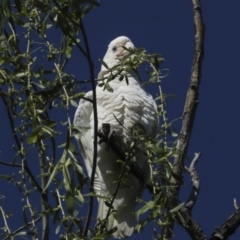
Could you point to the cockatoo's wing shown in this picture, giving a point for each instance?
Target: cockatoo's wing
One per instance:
(84, 135)
(127, 105)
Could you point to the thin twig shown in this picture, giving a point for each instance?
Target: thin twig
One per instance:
(30, 209)
(60, 203)
(70, 36)
(67, 108)
(235, 204)
(195, 182)
(95, 142)
(11, 164)
(5, 220)
(89, 81)
(115, 194)
(24, 227)
(11, 121)
(45, 219)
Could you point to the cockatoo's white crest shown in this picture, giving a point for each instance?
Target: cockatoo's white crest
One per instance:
(127, 105)
(116, 52)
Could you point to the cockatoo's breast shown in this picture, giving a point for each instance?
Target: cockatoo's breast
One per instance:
(126, 106)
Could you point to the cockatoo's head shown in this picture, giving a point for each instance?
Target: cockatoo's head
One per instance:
(115, 53)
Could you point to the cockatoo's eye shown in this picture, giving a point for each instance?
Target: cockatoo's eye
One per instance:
(114, 49)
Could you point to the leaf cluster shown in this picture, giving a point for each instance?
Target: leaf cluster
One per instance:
(38, 92)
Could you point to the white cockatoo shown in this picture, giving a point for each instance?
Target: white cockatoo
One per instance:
(122, 108)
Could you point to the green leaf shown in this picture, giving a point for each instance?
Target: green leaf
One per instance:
(150, 204)
(22, 233)
(181, 218)
(172, 132)
(70, 203)
(78, 168)
(79, 196)
(6, 177)
(55, 170)
(66, 178)
(49, 130)
(68, 51)
(57, 229)
(63, 24)
(78, 95)
(177, 208)
(141, 225)
(34, 135)
(154, 148)
(145, 208)
(22, 74)
(73, 103)
(99, 237)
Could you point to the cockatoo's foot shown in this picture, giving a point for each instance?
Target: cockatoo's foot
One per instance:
(106, 134)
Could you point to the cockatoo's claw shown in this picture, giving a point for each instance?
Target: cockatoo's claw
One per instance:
(111, 136)
(106, 134)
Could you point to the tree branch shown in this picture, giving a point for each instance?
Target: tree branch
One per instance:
(10, 164)
(189, 109)
(195, 181)
(23, 227)
(91, 71)
(190, 225)
(192, 94)
(104, 136)
(19, 146)
(228, 227)
(44, 179)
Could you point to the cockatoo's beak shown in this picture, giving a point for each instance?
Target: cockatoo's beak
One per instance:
(117, 50)
(129, 45)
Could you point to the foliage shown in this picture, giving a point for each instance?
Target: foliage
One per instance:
(37, 92)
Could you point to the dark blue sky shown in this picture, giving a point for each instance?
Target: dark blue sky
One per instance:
(166, 27)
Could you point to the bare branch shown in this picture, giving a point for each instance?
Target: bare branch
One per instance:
(192, 94)
(195, 181)
(24, 227)
(228, 227)
(45, 217)
(11, 164)
(191, 226)
(5, 220)
(91, 71)
(235, 203)
(189, 109)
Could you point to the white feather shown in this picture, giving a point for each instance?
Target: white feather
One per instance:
(130, 104)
